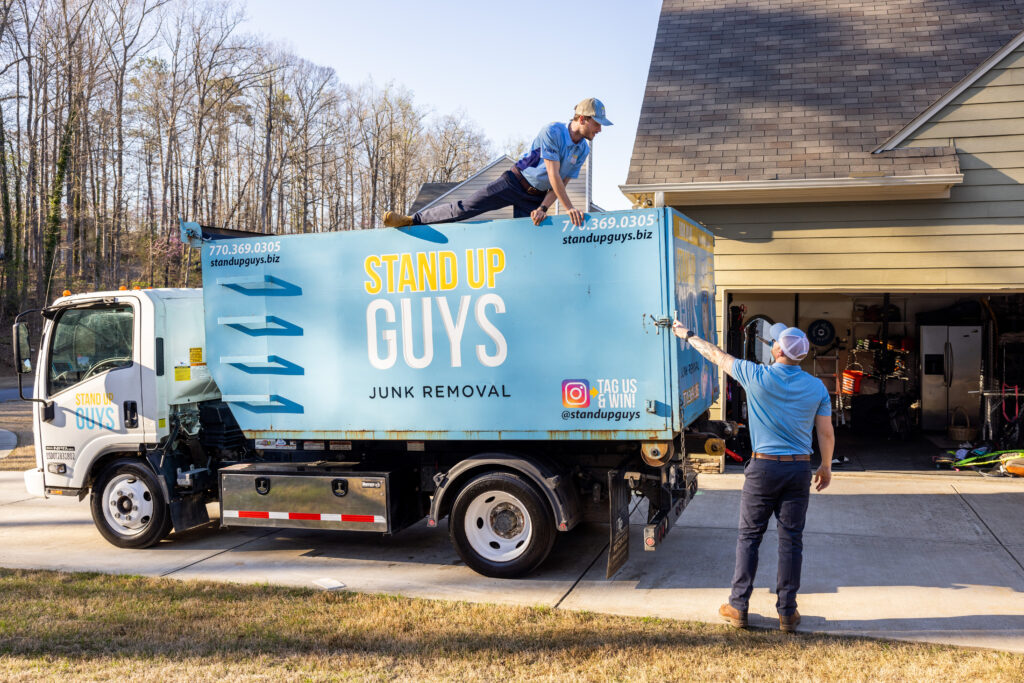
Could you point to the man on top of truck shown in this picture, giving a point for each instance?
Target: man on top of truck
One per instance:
(534, 182)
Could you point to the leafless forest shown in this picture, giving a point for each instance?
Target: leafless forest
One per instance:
(117, 117)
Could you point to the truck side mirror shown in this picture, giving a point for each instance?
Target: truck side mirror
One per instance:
(22, 351)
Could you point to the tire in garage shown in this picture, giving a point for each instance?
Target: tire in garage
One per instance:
(501, 526)
(128, 505)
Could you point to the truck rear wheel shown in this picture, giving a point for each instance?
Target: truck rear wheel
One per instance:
(501, 526)
(128, 505)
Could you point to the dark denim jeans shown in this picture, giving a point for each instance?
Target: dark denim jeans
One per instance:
(505, 191)
(782, 489)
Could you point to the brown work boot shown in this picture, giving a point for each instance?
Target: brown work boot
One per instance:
(393, 219)
(788, 624)
(733, 616)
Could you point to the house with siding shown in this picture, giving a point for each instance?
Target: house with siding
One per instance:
(860, 163)
(432, 194)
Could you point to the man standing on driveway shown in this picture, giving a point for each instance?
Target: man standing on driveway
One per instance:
(784, 404)
(531, 186)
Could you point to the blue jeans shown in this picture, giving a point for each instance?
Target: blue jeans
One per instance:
(782, 489)
(505, 191)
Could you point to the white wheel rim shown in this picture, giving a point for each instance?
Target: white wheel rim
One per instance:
(127, 505)
(498, 527)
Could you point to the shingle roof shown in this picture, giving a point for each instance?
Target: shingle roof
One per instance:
(784, 89)
(428, 193)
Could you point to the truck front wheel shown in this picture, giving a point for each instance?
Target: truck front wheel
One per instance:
(128, 506)
(501, 525)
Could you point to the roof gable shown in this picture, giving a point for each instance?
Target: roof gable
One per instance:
(926, 116)
(446, 196)
(429, 192)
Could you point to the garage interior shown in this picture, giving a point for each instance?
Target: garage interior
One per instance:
(912, 376)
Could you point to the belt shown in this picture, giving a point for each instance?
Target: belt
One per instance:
(530, 189)
(783, 458)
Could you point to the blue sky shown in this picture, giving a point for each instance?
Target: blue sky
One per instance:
(511, 67)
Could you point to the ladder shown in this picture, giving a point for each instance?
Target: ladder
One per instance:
(826, 368)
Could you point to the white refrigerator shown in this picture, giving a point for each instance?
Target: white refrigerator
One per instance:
(950, 368)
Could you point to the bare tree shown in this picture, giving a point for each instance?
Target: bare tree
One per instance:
(119, 116)
(126, 36)
(455, 148)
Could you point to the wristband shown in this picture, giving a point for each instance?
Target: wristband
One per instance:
(543, 208)
(690, 333)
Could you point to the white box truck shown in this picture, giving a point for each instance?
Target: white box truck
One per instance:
(514, 379)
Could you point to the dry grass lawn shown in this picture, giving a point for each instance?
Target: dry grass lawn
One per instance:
(56, 626)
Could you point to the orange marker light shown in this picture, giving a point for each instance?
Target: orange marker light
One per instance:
(122, 288)
(66, 292)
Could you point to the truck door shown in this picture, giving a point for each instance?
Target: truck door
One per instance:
(93, 377)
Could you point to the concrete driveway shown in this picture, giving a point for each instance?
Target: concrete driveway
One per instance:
(912, 557)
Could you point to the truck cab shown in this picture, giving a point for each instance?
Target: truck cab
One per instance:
(103, 392)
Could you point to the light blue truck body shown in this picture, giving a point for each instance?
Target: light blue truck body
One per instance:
(497, 330)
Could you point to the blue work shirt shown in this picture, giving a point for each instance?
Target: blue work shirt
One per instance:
(554, 143)
(782, 401)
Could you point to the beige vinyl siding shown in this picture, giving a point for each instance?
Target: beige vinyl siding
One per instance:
(577, 189)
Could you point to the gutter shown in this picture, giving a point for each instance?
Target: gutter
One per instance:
(799, 190)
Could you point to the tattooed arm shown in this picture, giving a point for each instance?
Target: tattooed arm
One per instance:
(705, 348)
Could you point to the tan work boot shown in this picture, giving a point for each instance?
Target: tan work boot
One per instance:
(788, 624)
(393, 219)
(732, 615)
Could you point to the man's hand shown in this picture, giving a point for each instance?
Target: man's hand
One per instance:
(679, 330)
(705, 348)
(538, 216)
(558, 189)
(823, 477)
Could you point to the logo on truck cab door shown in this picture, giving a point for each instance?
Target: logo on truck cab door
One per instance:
(95, 410)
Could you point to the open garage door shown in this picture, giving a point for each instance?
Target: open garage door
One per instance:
(912, 375)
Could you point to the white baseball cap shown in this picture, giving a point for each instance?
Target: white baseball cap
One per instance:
(792, 341)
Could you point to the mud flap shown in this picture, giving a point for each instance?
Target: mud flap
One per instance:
(618, 522)
(188, 511)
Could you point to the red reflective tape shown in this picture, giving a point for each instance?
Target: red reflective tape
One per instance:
(357, 518)
(305, 516)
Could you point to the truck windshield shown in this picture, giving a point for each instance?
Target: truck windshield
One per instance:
(89, 341)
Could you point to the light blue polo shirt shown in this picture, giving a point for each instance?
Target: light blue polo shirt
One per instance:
(554, 143)
(782, 401)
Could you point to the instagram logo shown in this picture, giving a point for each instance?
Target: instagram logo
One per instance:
(575, 393)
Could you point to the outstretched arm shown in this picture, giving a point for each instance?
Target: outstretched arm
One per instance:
(705, 348)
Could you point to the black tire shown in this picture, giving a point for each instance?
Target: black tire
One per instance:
(128, 505)
(501, 525)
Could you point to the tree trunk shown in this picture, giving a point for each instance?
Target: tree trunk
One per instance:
(52, 233)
